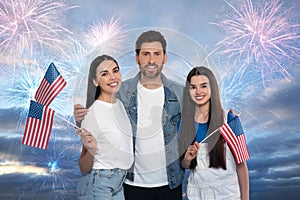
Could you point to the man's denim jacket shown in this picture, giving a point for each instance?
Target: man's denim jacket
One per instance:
(170, 117)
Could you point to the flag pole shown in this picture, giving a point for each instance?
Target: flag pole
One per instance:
(67, 122)
(208, 136)
(215, 131)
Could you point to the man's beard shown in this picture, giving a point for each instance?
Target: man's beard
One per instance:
(149, 66)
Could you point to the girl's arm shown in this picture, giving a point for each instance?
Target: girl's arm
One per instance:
(189, 155)
(185, 163)
(243, 177)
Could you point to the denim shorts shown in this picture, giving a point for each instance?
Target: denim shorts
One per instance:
(106, 184)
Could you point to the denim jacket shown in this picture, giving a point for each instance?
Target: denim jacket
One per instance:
(170, 117)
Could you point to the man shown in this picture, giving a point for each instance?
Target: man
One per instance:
(152, 102)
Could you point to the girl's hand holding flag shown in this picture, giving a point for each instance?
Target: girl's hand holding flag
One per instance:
(190, 154)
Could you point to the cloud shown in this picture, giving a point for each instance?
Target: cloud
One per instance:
(19, 168)
(29, 173)
(274, 167)
(277, 108)
(8, 119)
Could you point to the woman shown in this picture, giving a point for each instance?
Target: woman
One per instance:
(214, 172)
(107, 150)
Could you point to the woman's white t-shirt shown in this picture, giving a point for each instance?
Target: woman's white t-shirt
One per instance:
(110, 125)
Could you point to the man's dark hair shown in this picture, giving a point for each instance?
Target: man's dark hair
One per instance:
(150, 36)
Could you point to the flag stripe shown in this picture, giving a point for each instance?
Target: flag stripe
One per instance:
(26, 134)
(33, 133)
(40, 91)
(40, 137)
(237, 144)
(55, 89)
(51, 85)
(46, 92)
(242, 141)
(43, 127)
(231, 142)
(48, 130)
(37, 130)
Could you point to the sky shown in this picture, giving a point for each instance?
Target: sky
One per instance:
(251, 45)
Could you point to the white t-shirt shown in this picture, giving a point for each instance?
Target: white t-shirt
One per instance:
(110, 125)
(150, 158)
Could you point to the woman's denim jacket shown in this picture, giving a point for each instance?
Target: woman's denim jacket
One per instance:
(170, 117)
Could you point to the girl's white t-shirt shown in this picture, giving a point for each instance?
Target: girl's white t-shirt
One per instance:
(110, 125)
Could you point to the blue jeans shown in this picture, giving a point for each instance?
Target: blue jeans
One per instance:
(102, 184)
(184, 184)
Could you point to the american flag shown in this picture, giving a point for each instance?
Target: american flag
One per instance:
(38, 125)
(236, 141)
(50, 87)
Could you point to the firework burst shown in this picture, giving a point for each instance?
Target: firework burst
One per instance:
(101, 32)
(105, 37)
(60, 164)
(70, 63)
(261, 35)
(29, 24)
(238, 89)
(18, 92)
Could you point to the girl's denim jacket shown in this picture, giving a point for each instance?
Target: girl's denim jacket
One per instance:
(170, 118)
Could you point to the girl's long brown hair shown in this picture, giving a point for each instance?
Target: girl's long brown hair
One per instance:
(215, 120)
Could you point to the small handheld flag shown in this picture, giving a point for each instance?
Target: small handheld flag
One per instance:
(38, 125)
(236, 141)
(50, 87)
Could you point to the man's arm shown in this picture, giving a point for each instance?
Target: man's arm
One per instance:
(79, 113)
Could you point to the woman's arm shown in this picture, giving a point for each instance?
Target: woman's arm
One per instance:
(86, 161)
(242, 172)
(89, 145)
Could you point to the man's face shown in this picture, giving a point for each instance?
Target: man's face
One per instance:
(151, 59)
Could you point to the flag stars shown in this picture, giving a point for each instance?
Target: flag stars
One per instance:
(36, 110)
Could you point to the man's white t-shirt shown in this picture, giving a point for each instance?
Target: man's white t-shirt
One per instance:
(110, 125)
(150, 158)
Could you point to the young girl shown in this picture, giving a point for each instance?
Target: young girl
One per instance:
(214, 172)
(107, 150)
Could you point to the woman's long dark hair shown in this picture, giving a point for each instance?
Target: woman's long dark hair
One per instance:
(93, 91)
(215, 120)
